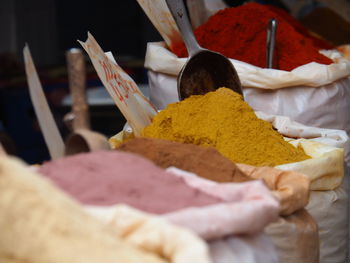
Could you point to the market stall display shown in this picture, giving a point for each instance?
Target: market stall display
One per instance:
(207, 179)
(315, 94)
(323, 167)
(311, 89)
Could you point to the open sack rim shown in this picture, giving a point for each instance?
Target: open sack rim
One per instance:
(327, 178)
(316, 181)
(159, 59)
(262, 203)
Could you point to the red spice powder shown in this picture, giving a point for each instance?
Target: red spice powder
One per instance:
(318, 42)
(240, 33)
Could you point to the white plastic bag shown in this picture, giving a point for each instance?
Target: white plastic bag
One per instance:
(326, 106)
(330, 209)
(160, 60)
(252, 249)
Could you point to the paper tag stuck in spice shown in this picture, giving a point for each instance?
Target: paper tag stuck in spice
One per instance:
(158, 12)
(47, 123)
(135, 107)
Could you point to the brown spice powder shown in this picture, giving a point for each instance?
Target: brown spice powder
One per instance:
(206, 162)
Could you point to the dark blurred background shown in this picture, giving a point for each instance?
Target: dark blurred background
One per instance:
(50, 27)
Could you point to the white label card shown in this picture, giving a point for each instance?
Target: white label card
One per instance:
(135, 107)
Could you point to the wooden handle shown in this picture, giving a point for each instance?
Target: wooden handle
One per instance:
(77, 85)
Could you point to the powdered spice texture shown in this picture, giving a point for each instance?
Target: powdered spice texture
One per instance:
(222, 119)
(205, 162)
(240, 33)
(114, 177)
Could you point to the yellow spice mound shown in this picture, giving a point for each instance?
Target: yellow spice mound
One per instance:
(222, 119)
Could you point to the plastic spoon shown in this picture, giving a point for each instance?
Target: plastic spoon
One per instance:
(270, 42)
(205, 70)
(82, 139)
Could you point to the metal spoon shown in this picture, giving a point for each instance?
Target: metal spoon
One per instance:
(270, 42)
(205, 70)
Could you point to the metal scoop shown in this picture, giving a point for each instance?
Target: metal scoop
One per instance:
(205, 70)
(82, 139)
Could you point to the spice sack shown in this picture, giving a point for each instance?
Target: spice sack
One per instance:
(309, 80)
(313, 94)
(328, 203)
(232, 237)
(326, 173)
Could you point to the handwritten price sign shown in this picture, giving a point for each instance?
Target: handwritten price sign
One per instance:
(114, 80)
(135, 107)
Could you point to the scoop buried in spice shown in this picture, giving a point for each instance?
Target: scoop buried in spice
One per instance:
(205, 70)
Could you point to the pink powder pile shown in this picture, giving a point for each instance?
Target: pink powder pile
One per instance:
(112, 177)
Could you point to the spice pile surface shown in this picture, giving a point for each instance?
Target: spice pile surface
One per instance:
(206, 162)
(240, 33)
(112, 177)
(222, 119)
